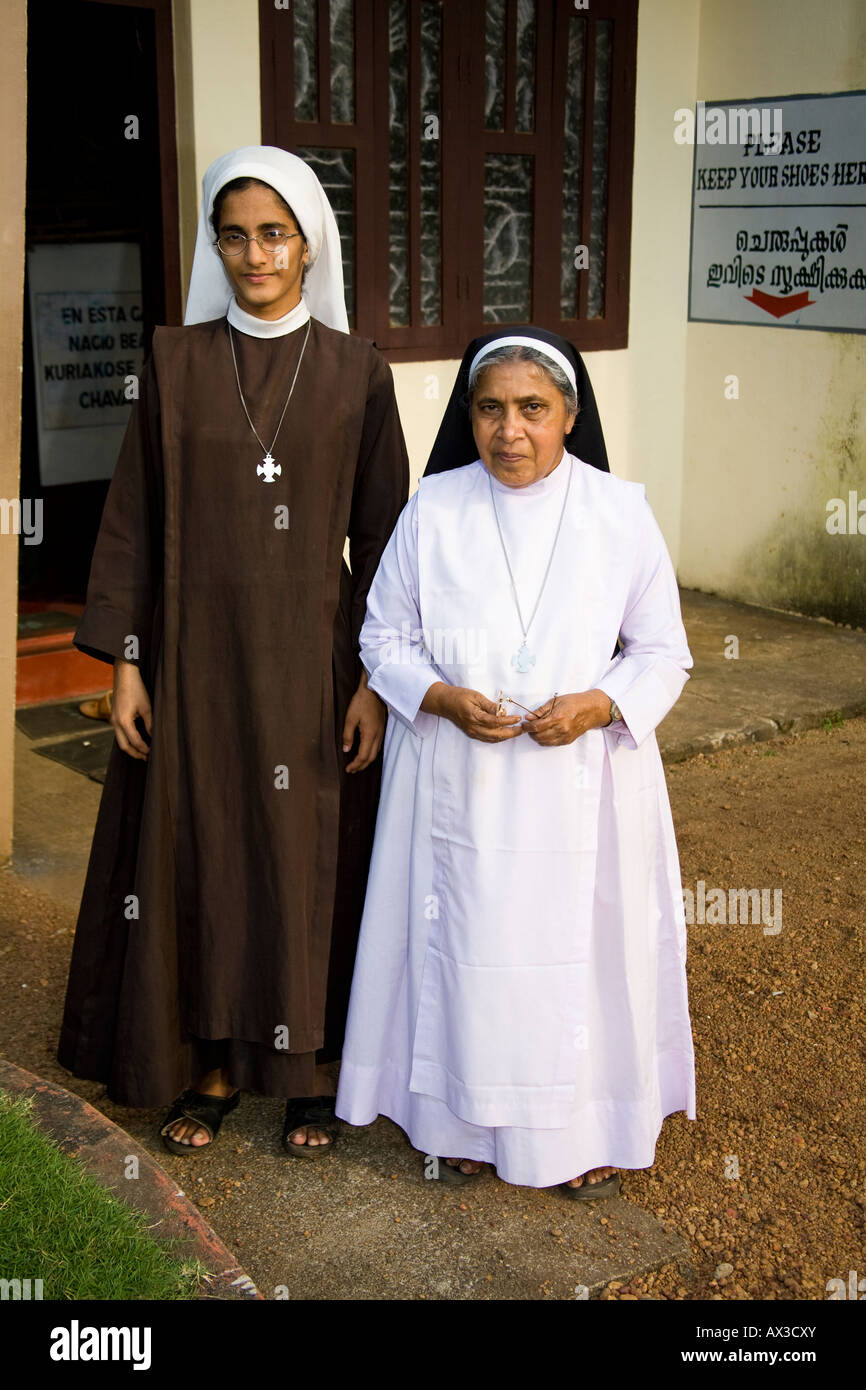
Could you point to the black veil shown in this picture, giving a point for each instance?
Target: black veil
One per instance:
(455, 446)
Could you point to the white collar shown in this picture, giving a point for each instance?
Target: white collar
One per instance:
(267, 328)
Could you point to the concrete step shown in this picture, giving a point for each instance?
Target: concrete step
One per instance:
(789, 673)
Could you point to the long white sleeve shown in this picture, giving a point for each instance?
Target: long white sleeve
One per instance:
(400, 667)
(650, 672)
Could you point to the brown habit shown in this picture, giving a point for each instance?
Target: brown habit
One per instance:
(221, 906)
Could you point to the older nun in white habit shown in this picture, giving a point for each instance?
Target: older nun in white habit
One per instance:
(519, 995)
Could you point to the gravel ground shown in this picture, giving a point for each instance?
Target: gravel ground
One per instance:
(769, 1184)
(778, 1025)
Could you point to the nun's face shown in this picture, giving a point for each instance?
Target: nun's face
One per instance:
(266, 285)
(519, 420)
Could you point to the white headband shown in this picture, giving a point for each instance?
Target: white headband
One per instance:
(553, 353)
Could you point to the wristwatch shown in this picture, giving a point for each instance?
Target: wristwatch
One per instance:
(615, 712)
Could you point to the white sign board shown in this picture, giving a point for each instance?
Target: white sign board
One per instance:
(88, 348)
(779, 212)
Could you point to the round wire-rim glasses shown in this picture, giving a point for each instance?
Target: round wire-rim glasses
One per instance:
(272, 242)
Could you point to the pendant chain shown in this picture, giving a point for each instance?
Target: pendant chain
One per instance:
(525, 629)
(288, 397)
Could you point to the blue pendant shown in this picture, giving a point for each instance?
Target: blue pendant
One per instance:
(523, 659)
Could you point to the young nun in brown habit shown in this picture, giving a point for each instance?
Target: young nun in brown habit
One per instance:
(217, 930)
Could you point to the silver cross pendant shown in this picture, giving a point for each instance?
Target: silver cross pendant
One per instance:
(268, 468)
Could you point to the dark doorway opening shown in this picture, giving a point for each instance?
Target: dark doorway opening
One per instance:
(101, 191)
(91, 66)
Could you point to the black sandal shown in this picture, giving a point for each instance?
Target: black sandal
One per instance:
(206, 1111)
(591, 1191)
(317, 1112)
(445, 1172)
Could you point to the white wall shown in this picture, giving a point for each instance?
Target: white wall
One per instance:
(759, 470)
(422, 390)
(216, 58)
(640, 390)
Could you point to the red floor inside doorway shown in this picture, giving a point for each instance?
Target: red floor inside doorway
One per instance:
(49, 667)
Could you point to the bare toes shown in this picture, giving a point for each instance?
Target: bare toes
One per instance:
(184, 1132)
(600, 1174)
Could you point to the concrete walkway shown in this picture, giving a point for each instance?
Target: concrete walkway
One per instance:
(364, 1223)
(788, 674)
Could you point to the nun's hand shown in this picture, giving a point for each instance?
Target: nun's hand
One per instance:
(472, 712)
(131, 701)
(571, 716)
(366, 715)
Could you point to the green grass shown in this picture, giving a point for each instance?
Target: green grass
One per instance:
(833, 720)
(58, 1225)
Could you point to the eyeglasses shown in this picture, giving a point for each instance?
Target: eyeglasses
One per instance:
(234, 243)
(507, 700)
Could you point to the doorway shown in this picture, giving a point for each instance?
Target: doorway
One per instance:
(102, 271)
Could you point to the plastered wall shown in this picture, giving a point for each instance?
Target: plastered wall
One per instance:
(758, 471)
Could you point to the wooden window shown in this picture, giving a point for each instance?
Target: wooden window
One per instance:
(478, 156)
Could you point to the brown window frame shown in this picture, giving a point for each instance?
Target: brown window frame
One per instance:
(463, 143)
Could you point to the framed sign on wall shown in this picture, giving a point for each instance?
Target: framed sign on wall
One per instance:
(779, 212)
(88, 348)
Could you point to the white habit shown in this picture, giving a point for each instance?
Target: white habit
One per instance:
(519, 994)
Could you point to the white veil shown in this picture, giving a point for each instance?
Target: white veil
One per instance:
(210, 291)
